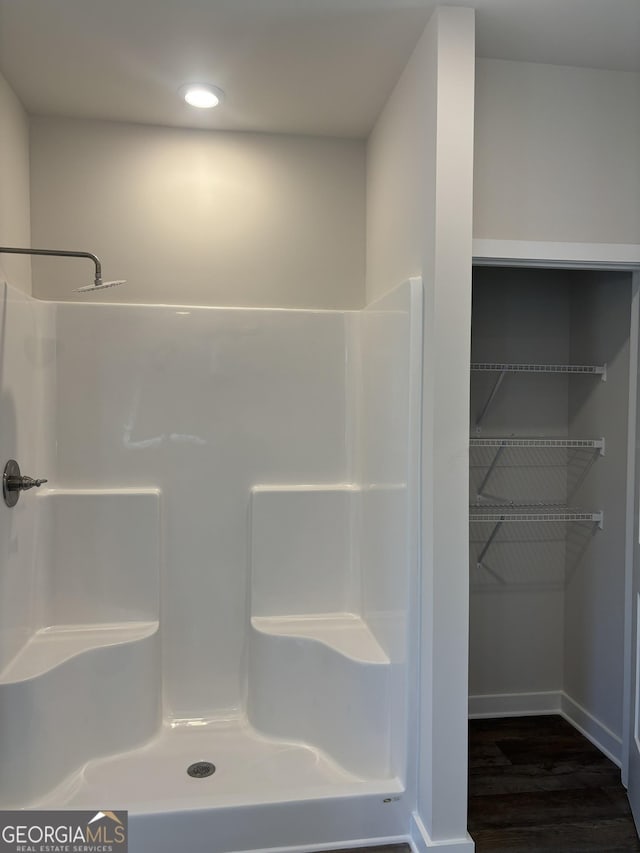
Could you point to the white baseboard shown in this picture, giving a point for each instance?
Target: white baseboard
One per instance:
(422, 841)
(552, 702)
(595, 731)
(515, 704)
(341, 845)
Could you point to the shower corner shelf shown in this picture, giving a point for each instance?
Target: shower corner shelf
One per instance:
(510, 367)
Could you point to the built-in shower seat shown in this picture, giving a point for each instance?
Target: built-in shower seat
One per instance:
(346, 633)
(53, 647)
(86, 682)
(317, 673)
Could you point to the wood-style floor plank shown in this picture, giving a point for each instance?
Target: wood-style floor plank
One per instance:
(537, 785)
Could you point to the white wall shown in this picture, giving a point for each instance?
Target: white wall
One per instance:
(197, 217)
(556, 153)
(401, 175)
(419, 214)
(14, 187)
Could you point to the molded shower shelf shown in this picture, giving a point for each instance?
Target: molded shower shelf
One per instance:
(345, 633)
(50, 647)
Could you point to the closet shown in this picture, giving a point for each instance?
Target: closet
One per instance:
(548, 478)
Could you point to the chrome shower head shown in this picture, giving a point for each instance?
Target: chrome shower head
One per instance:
(98, 283)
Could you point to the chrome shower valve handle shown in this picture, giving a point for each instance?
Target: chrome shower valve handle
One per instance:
(23, 483)
(13, 482)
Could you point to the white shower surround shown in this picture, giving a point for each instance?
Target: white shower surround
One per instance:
(235, 491)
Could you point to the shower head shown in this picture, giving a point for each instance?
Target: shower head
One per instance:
(98, 283)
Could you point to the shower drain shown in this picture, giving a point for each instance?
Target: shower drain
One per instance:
(201, 769)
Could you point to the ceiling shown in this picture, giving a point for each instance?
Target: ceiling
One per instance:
(320, 67)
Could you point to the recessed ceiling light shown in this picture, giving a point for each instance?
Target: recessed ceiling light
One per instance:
(202, 95)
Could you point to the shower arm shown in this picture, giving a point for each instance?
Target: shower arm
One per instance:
(59, 253)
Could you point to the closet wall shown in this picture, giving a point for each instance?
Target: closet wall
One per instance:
(547, 602)
(594, 593)
(516, 615)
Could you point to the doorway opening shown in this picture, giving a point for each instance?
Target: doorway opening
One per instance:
(552, 462)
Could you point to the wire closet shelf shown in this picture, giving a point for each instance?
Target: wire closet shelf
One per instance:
(575, 443)
(494, 367)
(487, 512)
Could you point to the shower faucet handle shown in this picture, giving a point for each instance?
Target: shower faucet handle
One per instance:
(23, 483)
(13, 482)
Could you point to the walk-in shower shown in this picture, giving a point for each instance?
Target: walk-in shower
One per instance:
(213, 599)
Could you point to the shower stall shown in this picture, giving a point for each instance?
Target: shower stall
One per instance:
(220, 575)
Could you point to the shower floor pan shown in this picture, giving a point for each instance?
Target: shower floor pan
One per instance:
(264, 793)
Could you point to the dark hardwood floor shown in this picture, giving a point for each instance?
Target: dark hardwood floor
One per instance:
(536, 785)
